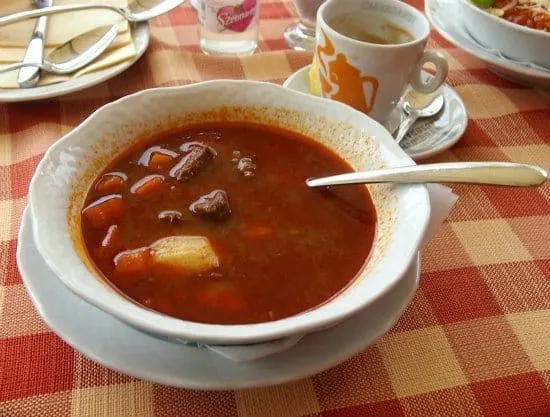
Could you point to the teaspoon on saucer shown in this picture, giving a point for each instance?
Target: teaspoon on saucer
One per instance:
(136, 11)
(414, 113)
(490, 173)
(74, 54)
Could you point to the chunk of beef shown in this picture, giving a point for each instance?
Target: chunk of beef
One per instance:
(191, 164)
(246, 167)
(214, 205)
(170, 216)
(188, 146)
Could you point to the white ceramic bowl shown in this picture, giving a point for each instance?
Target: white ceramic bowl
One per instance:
(59, 186)
(510, 39)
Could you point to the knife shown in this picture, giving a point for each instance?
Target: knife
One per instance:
(28, 76)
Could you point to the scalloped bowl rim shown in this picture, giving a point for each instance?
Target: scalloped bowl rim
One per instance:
(216, 333)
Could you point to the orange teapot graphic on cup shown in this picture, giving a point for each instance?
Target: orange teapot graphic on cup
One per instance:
(342, 82)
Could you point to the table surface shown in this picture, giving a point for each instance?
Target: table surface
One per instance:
(475, 340)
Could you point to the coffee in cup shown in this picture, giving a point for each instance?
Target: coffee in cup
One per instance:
(353, 26)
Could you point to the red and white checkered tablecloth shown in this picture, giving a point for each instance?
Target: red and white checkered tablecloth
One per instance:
(474, 342)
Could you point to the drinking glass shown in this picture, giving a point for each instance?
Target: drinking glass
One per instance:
(301, 35)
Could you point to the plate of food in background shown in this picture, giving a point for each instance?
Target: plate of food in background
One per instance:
(481, 41)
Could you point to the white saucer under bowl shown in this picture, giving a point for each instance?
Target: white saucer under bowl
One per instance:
(140, 37)
(108, 341)
(444, 17)
(427, 137)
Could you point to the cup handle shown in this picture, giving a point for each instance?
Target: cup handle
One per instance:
(441, 70)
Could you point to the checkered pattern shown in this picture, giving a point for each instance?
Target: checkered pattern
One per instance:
(475, 340)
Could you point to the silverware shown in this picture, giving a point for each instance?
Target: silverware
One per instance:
(74, 54)
(29, 76)
(413, 114)
(491, 173)
(136, 11)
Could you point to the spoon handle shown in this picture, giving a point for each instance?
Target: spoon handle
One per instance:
(405, 126)
(19, 65)
(492, 173)
(46, 11)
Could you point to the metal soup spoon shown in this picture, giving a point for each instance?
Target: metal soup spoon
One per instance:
(74, 54)
(491, 173)
(136, 11)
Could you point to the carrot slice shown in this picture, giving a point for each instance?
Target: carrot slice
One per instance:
(258, 232)
(146, 157)
(111, 183)
(111, 244)
(232, 302)
(105, 211)
(133, 261)
(222, 298)
(147, 185)
(160, 161)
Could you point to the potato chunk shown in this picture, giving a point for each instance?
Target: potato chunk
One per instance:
(190, 254)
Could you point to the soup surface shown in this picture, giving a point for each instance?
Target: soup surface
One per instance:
(215, 224)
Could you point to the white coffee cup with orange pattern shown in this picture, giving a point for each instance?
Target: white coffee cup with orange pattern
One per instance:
(369, 51)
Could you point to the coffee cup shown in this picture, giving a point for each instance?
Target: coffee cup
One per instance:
(370, 51)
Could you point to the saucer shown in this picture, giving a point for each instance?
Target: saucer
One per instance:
(428, 137)
(113, 344)
(444, 17)
(140, 37)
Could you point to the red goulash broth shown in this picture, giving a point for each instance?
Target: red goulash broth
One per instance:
(265, 245)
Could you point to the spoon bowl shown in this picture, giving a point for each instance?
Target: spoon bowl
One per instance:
(429, 110)
(136, 11)
(413, 114)
(74, 54)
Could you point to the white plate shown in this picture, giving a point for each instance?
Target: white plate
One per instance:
(427, 137)
(443, 15)
(140, 37)
(115, 345)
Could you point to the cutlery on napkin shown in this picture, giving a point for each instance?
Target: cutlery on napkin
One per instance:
(61, 28)
(29, 76)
